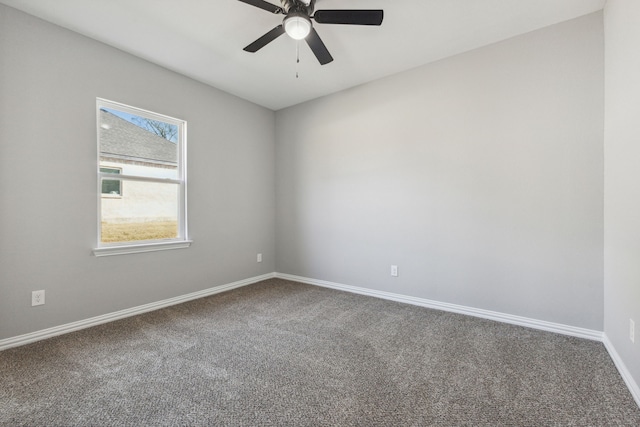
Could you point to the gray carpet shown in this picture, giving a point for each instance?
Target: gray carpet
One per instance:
(279, 353)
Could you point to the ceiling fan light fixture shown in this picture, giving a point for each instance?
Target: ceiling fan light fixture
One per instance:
(297, 26)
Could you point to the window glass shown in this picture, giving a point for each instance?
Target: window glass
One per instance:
(111, 186)
(147, 147)
(149, 212)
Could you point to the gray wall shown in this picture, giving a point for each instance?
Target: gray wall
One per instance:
(49, 81)
(480, 176)
(622, 175)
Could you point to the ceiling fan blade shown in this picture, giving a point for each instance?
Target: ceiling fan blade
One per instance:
(266, 39)
(319, 49)
(349, 17)
(264, 5)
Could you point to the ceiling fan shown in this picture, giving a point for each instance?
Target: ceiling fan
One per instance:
(297, 23)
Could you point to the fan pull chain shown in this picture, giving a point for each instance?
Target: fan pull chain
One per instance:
(297, 57)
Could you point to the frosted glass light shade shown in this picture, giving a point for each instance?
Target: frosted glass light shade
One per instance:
(297, 26)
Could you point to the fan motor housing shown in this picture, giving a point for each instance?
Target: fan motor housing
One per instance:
(298, 6)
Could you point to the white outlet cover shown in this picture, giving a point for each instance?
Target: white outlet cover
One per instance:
(259, 258)
(37, 298)
(394, 270)
(632, 331)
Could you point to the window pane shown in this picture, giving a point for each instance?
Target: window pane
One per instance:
(111, 186)
(139, 145)
(146, 211)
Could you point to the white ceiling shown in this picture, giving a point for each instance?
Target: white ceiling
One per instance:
(203, 39)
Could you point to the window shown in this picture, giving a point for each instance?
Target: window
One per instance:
(145, 153)
(111, 187)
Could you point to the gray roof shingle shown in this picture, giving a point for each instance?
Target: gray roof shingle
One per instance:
(126, 140)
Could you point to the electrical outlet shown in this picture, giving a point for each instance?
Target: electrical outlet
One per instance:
(632, 331)
(394, 270)
(37, 297)
(259, 257)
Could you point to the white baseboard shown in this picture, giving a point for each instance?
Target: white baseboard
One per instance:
(455, 308)
(110, 317)
(622, 368)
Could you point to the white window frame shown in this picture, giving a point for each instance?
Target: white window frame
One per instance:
(182, 241)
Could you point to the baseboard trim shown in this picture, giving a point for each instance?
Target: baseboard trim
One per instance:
(622, 368)
(110, 317)
(455, 308)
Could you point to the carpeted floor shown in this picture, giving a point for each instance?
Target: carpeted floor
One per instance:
(279, 353)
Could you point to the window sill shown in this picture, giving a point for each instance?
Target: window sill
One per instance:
(145, 247)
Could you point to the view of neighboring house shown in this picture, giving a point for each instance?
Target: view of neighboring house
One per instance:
(128, 149)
